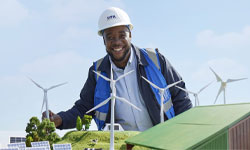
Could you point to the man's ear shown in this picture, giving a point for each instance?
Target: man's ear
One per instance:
(103, 40)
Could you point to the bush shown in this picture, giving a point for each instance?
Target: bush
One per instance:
(86, 120)
(44, 131)
(79, 123)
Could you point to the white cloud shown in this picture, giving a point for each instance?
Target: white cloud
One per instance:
(235, 41)
(12, 12)
(224, 67)
(80, 10)
(60, 62)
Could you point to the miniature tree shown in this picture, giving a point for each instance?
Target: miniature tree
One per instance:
(28, 141)
(44, 131)
(32, 128)
(86, 120)
(79, 123)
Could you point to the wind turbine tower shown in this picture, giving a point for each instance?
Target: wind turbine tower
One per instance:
(45, 97)
(161, 91)
(223, 85)
(112, 97)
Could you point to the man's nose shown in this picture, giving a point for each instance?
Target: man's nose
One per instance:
(116, 41)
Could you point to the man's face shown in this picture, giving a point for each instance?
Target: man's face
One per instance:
(117, 41)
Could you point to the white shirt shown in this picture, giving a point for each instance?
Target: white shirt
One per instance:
(127, 116)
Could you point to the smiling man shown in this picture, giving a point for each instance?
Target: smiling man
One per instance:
(115, 28)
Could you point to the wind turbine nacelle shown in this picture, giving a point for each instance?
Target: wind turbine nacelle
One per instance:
(117, 127)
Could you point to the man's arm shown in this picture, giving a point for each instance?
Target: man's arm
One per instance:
(180, 99)
(85, 103)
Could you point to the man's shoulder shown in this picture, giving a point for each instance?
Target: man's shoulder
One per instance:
(101, 63)
(150, 51)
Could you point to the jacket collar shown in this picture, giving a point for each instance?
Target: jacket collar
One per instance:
(105, 65)
(139, 55)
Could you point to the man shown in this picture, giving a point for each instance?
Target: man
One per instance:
(115, 28)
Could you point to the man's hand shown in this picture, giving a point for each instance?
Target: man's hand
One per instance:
(53, 117)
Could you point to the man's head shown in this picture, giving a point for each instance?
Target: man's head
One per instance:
(115, 27)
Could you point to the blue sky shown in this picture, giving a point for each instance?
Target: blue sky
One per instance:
(53, 41)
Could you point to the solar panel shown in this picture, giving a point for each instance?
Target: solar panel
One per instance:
(21, 145)
(13, 148)
(36, 148)
(41, 144)
(62, 147)
(17, 139)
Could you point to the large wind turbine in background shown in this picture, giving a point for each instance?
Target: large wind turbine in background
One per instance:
(223, 84)
(112, 97)
(45, 97)
(161, 91)
(197, 102)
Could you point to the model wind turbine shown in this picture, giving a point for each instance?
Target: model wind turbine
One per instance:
(45, 97)
(223, 85)
(197, 102)
(112, 98)
(161, 91)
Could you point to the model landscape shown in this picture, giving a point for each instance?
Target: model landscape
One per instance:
(97, 139)
(79, 139)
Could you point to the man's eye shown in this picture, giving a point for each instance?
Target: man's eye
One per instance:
(123, 36)
(109, 38)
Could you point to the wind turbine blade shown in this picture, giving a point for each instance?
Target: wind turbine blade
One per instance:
(36, 83)
(185, 90)
(205, 87)
(124, 75)
(99, 105)
(220, 90)
(173, 84)
(126, 101)
(233, 80)
(217, 76)
(105, 78)
(155, 86)
(57, 85)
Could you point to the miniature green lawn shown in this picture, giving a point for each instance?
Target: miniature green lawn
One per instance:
(84, 139)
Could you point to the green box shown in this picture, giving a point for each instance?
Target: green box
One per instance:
(203, 127)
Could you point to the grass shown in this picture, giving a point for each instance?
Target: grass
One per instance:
(84, 139)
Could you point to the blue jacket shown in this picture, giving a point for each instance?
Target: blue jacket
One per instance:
(180, 98)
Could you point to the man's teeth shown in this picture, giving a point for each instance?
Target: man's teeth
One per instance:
(118, 49)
